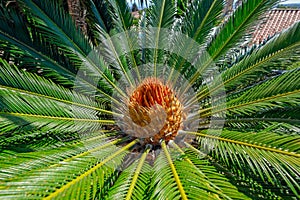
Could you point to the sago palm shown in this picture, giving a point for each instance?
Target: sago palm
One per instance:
(176, 107)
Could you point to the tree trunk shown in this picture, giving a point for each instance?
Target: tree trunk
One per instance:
(78, 13)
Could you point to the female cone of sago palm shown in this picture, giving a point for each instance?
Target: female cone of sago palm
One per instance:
(128, 111)
(151, 92)
(155, 108)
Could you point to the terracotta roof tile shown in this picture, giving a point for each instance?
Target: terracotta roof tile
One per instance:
(275, 21)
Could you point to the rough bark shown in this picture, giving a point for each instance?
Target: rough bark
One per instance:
(78, 13)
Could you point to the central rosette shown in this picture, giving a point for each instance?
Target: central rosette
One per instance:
(152, 103)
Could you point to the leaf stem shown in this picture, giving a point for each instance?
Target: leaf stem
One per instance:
(136, 174)
(245, 144)
(89, 172)
(176, 177)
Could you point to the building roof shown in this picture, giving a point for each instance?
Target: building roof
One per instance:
(276, 21)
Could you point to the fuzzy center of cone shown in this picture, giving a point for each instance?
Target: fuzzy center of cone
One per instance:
(146, 98)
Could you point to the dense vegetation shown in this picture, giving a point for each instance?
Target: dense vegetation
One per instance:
(65, 132)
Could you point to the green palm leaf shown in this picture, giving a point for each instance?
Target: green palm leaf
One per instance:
(266, 95)
(274, 166)
(262, 61)
(234, 29)
(162, 16)
(236, 26)
(79, 158)
(132, 182)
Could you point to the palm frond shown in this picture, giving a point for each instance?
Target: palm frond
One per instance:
(235, 27)
(227, 188)
(288, 124)
(27, 162)
(169, 180)
(96, 11)
(274, 166)
(261, 61)
(122, 15)
(66, 134)
(31, 84)
(161, 16)
(68, 189)
(197, 23)
(200, 18)
(123, 20)
(21, 45)
(232, 184)
(132, 182)
(60, 24)
(62, 38)
(64, 34)
(232, 30)
(97, 154)
(275, 93)
(25, 99)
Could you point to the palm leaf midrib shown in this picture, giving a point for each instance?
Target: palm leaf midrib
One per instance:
(255, 146)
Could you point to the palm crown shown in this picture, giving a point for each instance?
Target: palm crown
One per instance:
(169, 108)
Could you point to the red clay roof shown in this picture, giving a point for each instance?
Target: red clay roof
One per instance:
(275, 21)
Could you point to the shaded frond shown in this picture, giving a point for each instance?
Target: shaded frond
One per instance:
(200, 18)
